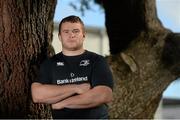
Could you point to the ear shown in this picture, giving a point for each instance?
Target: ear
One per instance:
(59, 36)
(84, 34)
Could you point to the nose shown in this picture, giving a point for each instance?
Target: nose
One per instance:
(71, 34)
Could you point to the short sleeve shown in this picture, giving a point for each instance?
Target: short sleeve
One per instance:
(101, 74)
(44, 76)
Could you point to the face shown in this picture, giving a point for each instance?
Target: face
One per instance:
(72, 36)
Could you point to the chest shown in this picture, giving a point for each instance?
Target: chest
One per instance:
(71, 72)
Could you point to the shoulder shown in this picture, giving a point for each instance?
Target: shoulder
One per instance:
(94, 55)
(50, 60)
(96, 59)
(55, 57)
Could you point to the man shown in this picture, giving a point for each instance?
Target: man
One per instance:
(76, 82)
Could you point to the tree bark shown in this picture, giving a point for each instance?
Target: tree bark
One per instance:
(25, 34)
(140, 79)
(140, 60)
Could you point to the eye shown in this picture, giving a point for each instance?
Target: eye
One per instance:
(66, 31)
(75, 31)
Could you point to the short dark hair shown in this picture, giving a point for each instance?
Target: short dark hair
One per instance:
(72, 19)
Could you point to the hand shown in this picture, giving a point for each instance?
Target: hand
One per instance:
(82, 88)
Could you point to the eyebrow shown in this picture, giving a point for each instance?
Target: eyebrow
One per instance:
(71, 30)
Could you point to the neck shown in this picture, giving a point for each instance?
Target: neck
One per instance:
(73, 52)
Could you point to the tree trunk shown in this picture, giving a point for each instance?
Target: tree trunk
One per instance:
(25, 32)
(144, 58)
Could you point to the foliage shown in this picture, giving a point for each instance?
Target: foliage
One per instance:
(83, 5)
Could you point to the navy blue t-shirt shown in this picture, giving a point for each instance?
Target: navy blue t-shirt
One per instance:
(88, 67)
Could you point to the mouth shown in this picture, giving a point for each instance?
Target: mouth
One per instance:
(71, 40)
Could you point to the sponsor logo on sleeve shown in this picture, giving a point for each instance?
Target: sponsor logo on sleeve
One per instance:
(60, 63)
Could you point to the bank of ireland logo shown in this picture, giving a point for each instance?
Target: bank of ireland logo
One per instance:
(84, 63)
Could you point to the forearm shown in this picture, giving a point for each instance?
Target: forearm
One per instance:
(58, 98)
(77, 102)
(52, 93)
(44, 93)
(92, 98)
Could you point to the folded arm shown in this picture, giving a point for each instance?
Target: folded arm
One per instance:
(45, 93)
(94, 97)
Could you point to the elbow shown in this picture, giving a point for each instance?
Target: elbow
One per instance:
(108, 98)
(36, 97)
(105, 98)
(104, 95)
(35, 100)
